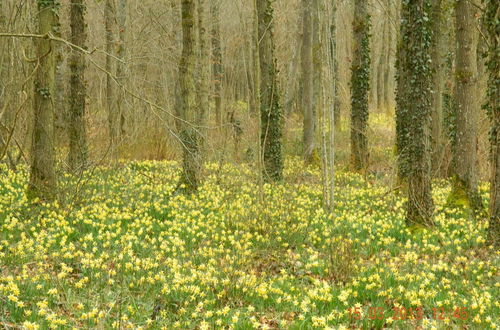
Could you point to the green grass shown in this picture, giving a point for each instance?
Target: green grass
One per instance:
(121, 249)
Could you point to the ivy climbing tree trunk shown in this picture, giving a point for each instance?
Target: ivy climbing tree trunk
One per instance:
(77, 132)
(43, 181)
(413, 110)
(491, 21)
(270, 109)
(465, 177)
(307, 81)
(187, 109)
(217, 68)
(437, 55)
(360, 85)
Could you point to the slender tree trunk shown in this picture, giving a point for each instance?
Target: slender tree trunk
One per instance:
(270, 109)
(360, 85)
(437, 56)
(307, 82)
(203, 64)
(381, 84)
(113, 117)
(388, 56)
(217, 67)
(187, 109)
(492, 106)
(465, 178)
(413, 110)
(43, 180)
(77, 132)
(120, 67)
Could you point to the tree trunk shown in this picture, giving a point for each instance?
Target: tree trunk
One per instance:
(388, 56)
(270, 109)
(465, 177)
(77, 133)
(43, 178)
(307, 82)
(217, 68)
(360, 85)
(113, 117)
(437, 56)
(490, 21)
(203, 64)
(413, 110)
(189, 117)
(120, 67)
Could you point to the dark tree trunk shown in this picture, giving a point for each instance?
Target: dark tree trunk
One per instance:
(270, 109)
(413, 110)
(77, 133)
(360, 85)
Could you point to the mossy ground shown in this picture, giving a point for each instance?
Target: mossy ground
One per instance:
(123, 250)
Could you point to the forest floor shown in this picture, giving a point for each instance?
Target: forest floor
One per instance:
(122, 250)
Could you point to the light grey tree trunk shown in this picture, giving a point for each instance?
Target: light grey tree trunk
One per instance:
(307, 91)
(438, 67)
(465, 177)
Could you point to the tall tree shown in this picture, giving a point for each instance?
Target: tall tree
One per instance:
(113, 117)
(77, 132)
(307, 81)
(187, 109)
(217, 67)
(491, 21)
(270, 109)
(121, 14)
(413, 109)
(203, 62)
(360, 85)
(438, 69)
(43, 178)
(465, 177)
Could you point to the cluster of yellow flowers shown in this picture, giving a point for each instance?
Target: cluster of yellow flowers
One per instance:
(125, 250)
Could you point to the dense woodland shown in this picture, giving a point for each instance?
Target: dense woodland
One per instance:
(239, 164)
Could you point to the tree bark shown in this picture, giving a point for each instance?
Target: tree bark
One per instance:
(437, 56)
(43, 181)
(203, 64)
(270, 109)
(77, 133)
(307, 82)
(120, 66)
(217, 68)
(189, 117)
(413, 110)
(113, 117)
(492, 106)
(360, 85)
(465, 177)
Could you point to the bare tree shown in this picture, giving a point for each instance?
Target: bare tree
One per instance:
(77, 131)
(307, 81)
(217, 67)
(190, 116)
(43, 180)
(113, 117)
(465, 180)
